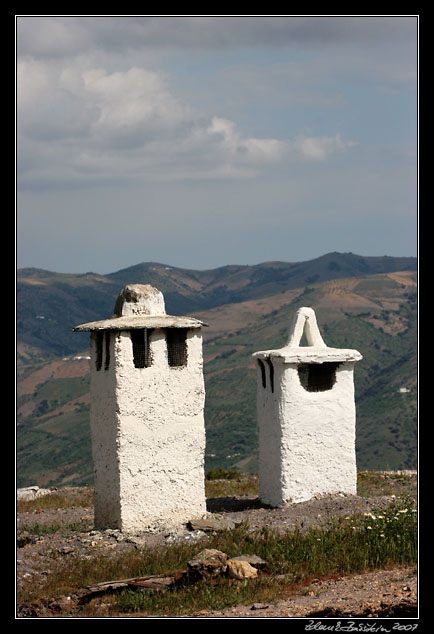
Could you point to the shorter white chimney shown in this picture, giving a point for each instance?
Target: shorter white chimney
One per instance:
(306, 417)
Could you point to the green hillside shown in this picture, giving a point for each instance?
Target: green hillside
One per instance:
(374, 313)
(50, 304)
(386, 337)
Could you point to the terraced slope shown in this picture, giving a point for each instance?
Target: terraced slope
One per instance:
(374, 313)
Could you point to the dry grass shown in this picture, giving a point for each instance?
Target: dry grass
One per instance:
(357, 544)
(62, 499)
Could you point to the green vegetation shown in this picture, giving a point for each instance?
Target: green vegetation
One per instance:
(349, 546)
(294, 559)
(58, 445)
(378, 539)
(82, 496)
(49, 529)
(229, 482)
(60, 391)
(223, 474)
(221, 482)
(375, 314)
(386, 418)
(395, 484)
(50, 304)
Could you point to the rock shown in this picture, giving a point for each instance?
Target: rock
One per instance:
(137, 540)
(209, 563)
(214, 523)
(115, 533)
(241, 569)
(212, 563)
(26, 538)
(190, 536)
(253, 560)
(63, 604)
(32, 492)
(65, 550)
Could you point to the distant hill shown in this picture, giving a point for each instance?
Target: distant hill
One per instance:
(376, 315)
(373, 311)
(50, 304)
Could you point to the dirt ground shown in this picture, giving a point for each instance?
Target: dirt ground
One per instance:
(383, 593)
(380, 594)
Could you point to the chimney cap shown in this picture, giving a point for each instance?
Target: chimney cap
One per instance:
(139, 299)
(140, 306)
(315, 352)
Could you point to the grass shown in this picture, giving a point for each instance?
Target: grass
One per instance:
(369, 484)
(48, 529)
(220, 483)
(62, 499)
(358, 544)
(373, 483)
(350, 545)
(293, 560)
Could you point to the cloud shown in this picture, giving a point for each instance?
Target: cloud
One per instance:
(319, 148)
(90, 124)
(218, 138)
(132, 106)
(56, 36)
(45, 110)
(248, 150)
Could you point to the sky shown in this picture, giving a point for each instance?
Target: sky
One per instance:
(202, 141)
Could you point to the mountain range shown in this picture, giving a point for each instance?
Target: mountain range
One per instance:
(367, 303)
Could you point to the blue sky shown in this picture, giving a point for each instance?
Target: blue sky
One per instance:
(200, 141)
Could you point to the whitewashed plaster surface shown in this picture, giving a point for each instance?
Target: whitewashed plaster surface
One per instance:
(161, 440)
(306, 438)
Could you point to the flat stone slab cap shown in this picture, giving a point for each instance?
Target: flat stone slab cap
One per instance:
(141, 321)
(140, 306)
(308, 354)
(315, 352)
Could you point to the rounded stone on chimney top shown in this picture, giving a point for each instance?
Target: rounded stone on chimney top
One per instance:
(139, 299)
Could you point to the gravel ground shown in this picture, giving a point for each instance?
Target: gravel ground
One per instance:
(384, 593)
(380, 594)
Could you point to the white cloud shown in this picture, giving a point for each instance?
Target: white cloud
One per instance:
(319, 148)
(248, 150)
(89, 104)
(132, 106)
(32, 79)
(46, 111)
(91, 123)
(213, 129)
